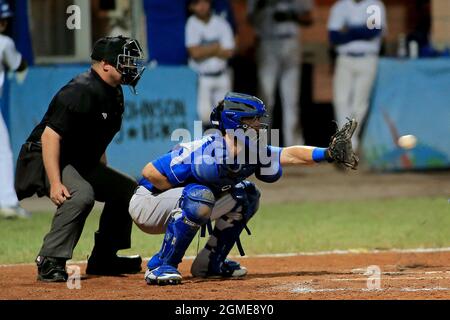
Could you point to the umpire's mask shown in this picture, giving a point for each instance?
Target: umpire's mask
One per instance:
(125, 54)
(131, 63)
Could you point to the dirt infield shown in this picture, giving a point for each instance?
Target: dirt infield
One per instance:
(328, 276)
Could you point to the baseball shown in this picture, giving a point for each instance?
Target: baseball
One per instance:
(407, 141)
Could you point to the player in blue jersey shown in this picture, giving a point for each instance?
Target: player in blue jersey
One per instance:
(206, 180)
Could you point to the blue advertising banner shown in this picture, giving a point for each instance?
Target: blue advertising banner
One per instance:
(166, 101)
(410, 97)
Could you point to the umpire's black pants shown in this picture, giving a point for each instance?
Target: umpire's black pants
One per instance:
(100, 183)
(103, 184)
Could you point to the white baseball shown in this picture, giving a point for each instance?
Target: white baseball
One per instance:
(407, 141)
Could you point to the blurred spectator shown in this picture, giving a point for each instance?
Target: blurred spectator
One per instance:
(277, 25)
(166, 22)
(11, 60)
(210, 43)
(121, 24)
(358, 48)
(422, 28)
(421, 33)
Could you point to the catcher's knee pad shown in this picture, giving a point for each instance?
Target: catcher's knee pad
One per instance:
(196, 206)
(197, 201)
(227, 230)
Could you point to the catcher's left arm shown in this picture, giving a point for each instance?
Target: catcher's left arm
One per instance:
(340, 150)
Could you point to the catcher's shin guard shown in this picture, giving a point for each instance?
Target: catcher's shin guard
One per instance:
(196, 206)
(211, 261)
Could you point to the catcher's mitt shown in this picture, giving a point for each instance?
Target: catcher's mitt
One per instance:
(340, 148)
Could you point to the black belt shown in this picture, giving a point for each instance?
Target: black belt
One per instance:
(358, 54)
(213, 74)
(279, 37)
(33, 146)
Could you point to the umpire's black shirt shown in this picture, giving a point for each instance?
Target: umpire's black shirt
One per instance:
(86, 113)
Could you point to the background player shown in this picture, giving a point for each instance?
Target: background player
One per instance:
(206, 179)
(357, 48)
(12, 60)
(210, 43)
(279, 56)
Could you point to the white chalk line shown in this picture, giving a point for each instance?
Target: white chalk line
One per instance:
(424, 289)
(287, 255)
(397, 273)
(351, 251)
(306, 289)
(391, 278)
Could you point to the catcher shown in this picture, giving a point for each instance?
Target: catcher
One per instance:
(206, 180)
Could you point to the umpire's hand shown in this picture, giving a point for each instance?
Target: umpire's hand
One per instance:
(59, 193)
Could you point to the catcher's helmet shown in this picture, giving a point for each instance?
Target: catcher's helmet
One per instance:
(235, 108)
(125, 54)
(5, 10)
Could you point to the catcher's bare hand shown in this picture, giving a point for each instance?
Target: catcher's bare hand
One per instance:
(340, 148)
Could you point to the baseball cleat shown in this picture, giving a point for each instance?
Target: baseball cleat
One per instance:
(154, 262)
(229, 269)
(51, 269)
(14, 212)
(236, 269)
(163, 275)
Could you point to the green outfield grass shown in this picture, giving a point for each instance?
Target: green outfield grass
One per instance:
(277, 228)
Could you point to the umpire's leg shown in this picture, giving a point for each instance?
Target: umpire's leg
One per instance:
(114, 233)
(66, 228)
(70, 217)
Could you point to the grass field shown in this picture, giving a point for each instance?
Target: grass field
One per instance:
(277, 228)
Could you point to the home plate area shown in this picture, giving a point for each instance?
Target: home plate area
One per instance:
(413, 274)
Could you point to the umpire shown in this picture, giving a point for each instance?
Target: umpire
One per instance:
(64, 159)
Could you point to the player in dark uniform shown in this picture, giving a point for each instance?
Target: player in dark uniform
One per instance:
(64, 158)
(206, 180)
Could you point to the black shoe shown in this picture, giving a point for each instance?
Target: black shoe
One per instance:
(113, 265)
(51, 269)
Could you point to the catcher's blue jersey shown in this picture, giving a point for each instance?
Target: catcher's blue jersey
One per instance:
(179, 165)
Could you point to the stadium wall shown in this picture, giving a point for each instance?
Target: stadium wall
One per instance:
(166, 101)
(410, 97)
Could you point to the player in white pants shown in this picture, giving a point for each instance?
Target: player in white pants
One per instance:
(210, 43)
(277, 25)
(358, 47)
(12, 60)
(211, 89)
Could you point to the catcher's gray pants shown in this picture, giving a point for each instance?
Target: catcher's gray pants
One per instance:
(102, 184)
(151, 212)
